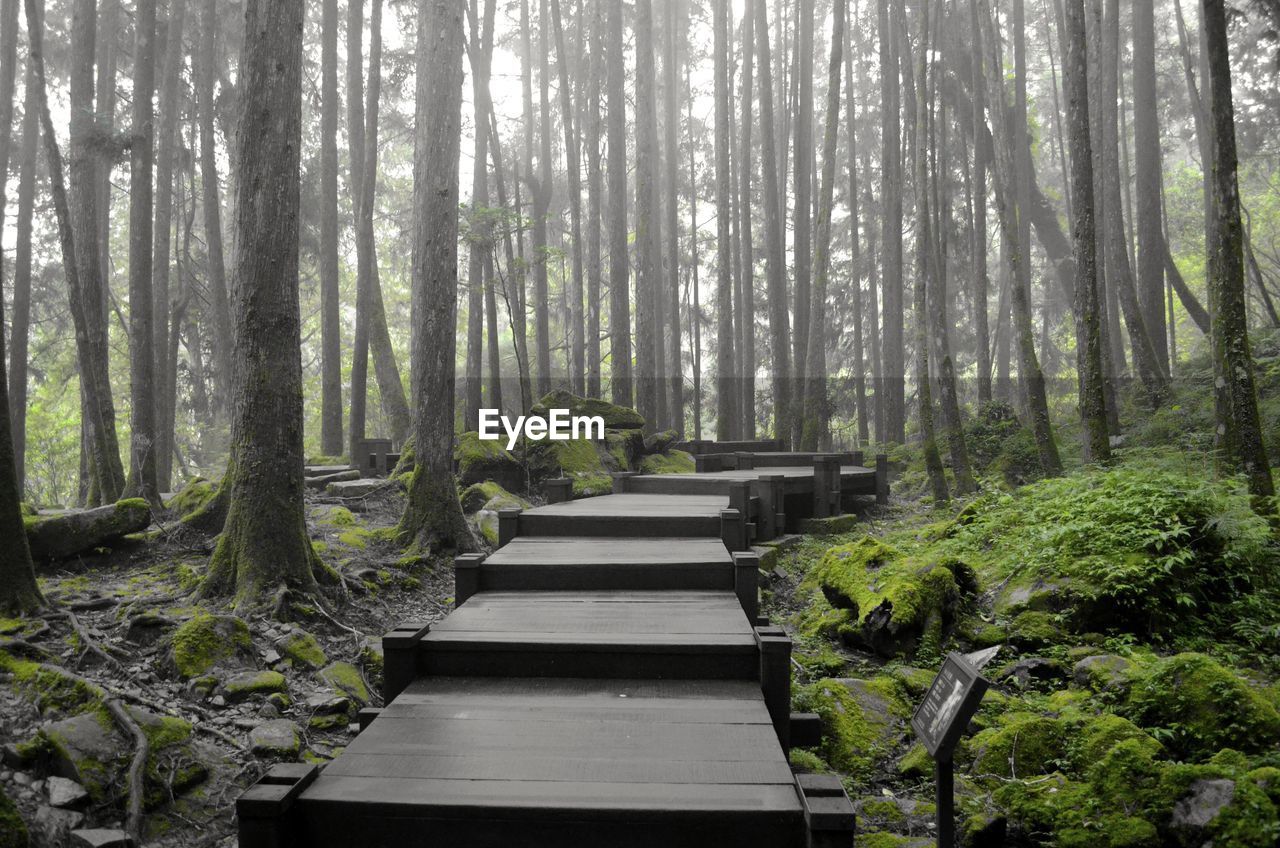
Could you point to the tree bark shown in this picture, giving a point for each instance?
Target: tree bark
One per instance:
(593, 129)
(205, 76)
(893, 351)
(481, 240)
(1147, 161)
(577, 349)
(331, 442)
(775, 251)
(747, 297)
(264, 547)
(433, 518)
(802, 233)
(21, 326)
(622, 386)
(142, 480)
(671, 293)
(1088, 307)
(726, 405)
(540, 192)
(1240, 430)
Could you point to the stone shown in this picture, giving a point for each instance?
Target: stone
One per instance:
(22, 778)
(276, 739)
(303, 649)
(279, 700)
(245, 685)
(326, 703)
(346, 678)
(1029, 670)
(65, 793)
(56, 825)
(354, 488)
(1101, 672)
(1198, 808)
(100, 837)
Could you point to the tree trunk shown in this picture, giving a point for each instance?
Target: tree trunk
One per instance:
(726, 405)
(815, 431)
(540, 192)
(577, 350)
(264, 548)
(622, 386)
(893, 351)
(1147, 160)
(802, 234)
(21, 327)
(1088, 308)
(775, 250)
(671, 293)
(433, 518)
(166, 368)
(331, 442)
(978, 245)
(205, 75)
(695, 306)
(747, 298)
(142, 480)
(481, 241)
(593, 130)
(1244, 439)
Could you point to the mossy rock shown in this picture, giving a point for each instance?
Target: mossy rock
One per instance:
(13, 831)
(671, 462)
(625, 449)
(491, 496)
(301, 647)
(47, 689)
(1201, 706)
(486, 459)
(916, 763)
(861, 720)
(615, 417)
(1102, 673)
(346, 678)
(1021, 745)
(1095, 736)
(1033, 629)
(241, 687)
(205, 642)
(329, 721)
(276, 739)
(585, 462)
(885, 601)
(885, 839)
(192, 497)
(835, 525)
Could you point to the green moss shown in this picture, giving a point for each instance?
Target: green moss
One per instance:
(615, 417)
(1096, 735)
(193, 496)
(882, 839)
(489, 495)
(1035, 629)
(356, 537)
(165, 731)
(836, 525)
(884, 811)
(672, 462)
(339, 516)
(49, 690)
(805, 761)
(301, 647)
(1022, 744)
(860, 720)
(13, 831)
(254, 683)
(330, 721)
(916, 763)
(346, 678)
(203, 641)
(1183, 698)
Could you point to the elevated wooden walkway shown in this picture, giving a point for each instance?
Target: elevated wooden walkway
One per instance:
(604, 680)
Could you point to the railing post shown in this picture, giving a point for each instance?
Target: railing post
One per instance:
(733, 530)
(621, 481)
(746, 582)
(826, 471)
(882, 478)
(775, 679)
(466, 577)
(508, 524)
(857, 458)
(558, 490)
(263, 811)
(400, 658)
(828, 813)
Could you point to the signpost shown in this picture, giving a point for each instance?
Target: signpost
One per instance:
(940, 721)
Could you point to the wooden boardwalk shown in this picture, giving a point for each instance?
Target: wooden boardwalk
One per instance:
(604, 680)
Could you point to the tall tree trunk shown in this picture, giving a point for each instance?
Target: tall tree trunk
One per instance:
(481, 237)
(1246, 451)
(647, 244)
(21, 327)
(513, 282)
(593, 130)
(142, 359)
(1147, 161)
(1028, 365)
(978, 246)
(726, 405)
(747, 299)
(433, 517)
(671, 295)
(622, 386)
(356, 431)
(331, 442)
(775, 250)
(264, 549)
(1088, 308)
(205, 75)
(802, 233)
(816, 430)
(540, 192)
(695, 306)
(166, 368)
(577, 349)
(891, 240)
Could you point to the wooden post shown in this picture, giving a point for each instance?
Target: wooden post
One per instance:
(621, 481)
(746, 462)
(826, 485)
(770, 521)
(733, 531)
(740, 499)
(263, 811)
(857, 458)
(746, 582)
(466, 577)
(400, 658)
(558, 490)
(508, 524)
(708, 463)
(365, 717)
(828, 813)
(775, 679)
(882, 478)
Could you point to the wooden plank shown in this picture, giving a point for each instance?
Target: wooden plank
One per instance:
(572, 550)
(636, 767)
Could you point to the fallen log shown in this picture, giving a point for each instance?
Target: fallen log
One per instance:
(320, 483)
(69, 533)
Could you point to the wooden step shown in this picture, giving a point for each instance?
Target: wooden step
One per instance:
(675, 635)
(562, 762)
(627, 515)
(575, 564)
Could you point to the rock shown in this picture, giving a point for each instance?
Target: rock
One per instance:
(245, 685)
(303, 649)
(487, 459)
(615, 417)
(1196, 810)
(271, 656)
(326, 703)
(1030, 670)
(346, 677)
(218, 701)
(100, 837)
(279, 700)
(1024, 745)
(206, 642)
(193, 497)
(147, 628)
(278, 738)
(489, 496)
(668, 462)
(22, 778)
(56, 825)
(65, 793)
(660, 442)
(1032, 630)
(354, 488)
(1101, 672)
(861, 720)
(61, 536)
(268, 711)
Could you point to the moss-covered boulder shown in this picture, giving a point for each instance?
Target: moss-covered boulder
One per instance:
(486, 459)
(246, 684)
(207, 642)
(884, 601)
(861, 720)
(1102, 673)
(671, 461)
(347, 679)
(1201, 706)
(69, 533)
(615, 417)
(302, 649)
(586, 462)
(483, 500)
(276, 739)
(192, 497)
(1021, 745)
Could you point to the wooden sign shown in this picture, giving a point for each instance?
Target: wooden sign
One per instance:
(950, 703)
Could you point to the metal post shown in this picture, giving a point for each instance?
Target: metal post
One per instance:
(944, 780)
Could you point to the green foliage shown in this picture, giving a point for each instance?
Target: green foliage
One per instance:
(13, 831)
(1000, 446)
(861, 719)
(671, 462)
(205, 640)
